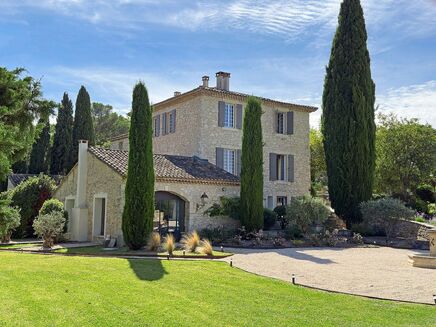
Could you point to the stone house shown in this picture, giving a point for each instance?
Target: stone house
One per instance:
(197, 145)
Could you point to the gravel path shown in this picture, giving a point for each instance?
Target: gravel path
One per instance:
(380, 272)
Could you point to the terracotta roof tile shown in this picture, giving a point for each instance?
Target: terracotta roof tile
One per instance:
(169, 167)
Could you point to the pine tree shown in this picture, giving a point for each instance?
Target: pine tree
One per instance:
(62, 150)
(83, 128)
(252, 167)
(138, 211)
(38, 162)
(348, 115)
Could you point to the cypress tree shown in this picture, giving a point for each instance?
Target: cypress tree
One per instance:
(252, 167)
(83, 128)
(348, 115)
(62, 150)
(38, 162)
(138, 212)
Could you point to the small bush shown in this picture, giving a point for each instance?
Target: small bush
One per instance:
(420, 219)
(227, 207)
(269, 218)
(293, 232)
(305, 212)
(191, 241)
(385, 212)
(48, 227)
(54, 205)
(154, 241)
(169, 244)
(206, 247)
(366, 230)
(9, 220)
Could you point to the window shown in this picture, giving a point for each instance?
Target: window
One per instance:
(280, 167)
(280, 123)
(120, 145)
(229, 161)
(156, 126)
(282, 200)
(229, 116)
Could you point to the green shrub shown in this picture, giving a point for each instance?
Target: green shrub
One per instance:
(293, 232)
(426, 193)
(431, 209)
(420, 219)
(305, 211)
(49, 226)
(28, 197)
(269, 218)
(54, 205)
(280, 211)
(367, 230)
(227, 207)
(9, 220)
(386, 213)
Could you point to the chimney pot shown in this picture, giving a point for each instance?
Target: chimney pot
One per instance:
(205, 80)
(222, 81)
(177, 93)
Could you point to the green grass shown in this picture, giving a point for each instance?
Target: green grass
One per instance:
(120, 251)
(44, 290)
(19, 246)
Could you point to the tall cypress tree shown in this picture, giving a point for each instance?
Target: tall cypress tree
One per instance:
(83, 128)
(138, 212)
(62, 150)
(348, 115)
(39, 159)
(252, 167)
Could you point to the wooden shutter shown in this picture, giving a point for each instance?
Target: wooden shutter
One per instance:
(275, 121)
(173, 128)
(291, 168)
(239, 116)
(238, 162)
(290, 123)
(221, 113)
(158, 125)
(272, 167)
(220, 157)
(270, 202)
(164, 123)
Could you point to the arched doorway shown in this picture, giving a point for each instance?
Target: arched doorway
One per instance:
(170, 214)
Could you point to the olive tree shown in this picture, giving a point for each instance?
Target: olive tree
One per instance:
(9, 220)
(49, 226)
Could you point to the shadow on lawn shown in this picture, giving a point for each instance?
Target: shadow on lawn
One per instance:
(147, 269)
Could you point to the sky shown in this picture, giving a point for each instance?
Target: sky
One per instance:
(276, 49)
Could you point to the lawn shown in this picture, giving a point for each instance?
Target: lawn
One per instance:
(98, 250)
(46, 290)
(19, 245)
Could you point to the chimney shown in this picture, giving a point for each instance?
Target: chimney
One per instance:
(222, 81)
(177, 93)
(82, 174)
(205, 80)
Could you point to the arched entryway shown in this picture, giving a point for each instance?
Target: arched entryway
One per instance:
(170, 214)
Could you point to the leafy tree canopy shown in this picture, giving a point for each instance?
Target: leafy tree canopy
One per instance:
(21, 103)
(107, 123)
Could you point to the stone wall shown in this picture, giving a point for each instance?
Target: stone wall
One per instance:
(413, 230)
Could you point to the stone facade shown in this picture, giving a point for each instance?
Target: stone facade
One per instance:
(198, 134)
(104, 182)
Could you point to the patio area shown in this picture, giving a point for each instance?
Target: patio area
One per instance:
(372, 271)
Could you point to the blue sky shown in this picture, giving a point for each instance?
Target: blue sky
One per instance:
(277, 49)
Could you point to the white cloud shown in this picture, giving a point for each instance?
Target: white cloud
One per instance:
(108, 85)
(414, 101)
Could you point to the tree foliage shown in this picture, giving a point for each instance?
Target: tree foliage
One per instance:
(107, 123)
(28, 197)
(252, 167)
(83, 127)
(348, 115)
(40, 154)
(49, 226)
(318, 169)
(137, 223)
(62, 150)
(406, 155)
(21, 103)
(9, 220)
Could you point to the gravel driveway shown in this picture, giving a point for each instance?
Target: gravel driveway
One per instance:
(381, 272)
